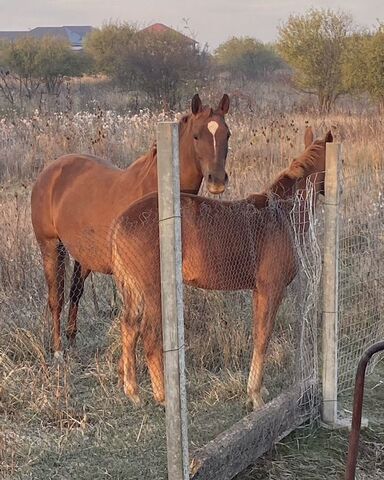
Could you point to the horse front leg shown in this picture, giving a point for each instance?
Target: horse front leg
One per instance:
(266, 301)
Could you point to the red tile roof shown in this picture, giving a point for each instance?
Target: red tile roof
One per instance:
(161, 28)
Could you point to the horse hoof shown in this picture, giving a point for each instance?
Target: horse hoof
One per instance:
(264, 392)
(134, 398)
(255, 401)
(58, 357)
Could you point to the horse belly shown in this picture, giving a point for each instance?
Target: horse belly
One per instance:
(89, 247)
(222, 275)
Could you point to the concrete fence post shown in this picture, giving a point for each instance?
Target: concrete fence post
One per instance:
(172, 299)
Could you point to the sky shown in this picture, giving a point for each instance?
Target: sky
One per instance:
(209, 21)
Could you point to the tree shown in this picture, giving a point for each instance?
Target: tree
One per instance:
(31, 65)
(313, 45)
(246, 58)
(55, 60)
(161, 64)
(363, 65)
(375, 55)
(165, 65)
(19, 62)
(108, 46)
(7, 82)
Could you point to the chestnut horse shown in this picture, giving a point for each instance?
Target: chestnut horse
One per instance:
(246, 244)
(83, 193)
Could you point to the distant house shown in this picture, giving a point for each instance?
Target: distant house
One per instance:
(161, 28)
(74, 34)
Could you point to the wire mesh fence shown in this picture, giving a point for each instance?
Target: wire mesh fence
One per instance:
(238, 259)
(361, 274)
(72, 418)
(229, 249)
(84, 392)
(78, 412)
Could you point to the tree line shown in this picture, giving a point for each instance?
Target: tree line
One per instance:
(32, 66)
(325, 53)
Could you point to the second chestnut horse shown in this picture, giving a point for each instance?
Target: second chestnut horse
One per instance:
(246, 244)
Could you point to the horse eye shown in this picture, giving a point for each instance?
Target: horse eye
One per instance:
(195, 137)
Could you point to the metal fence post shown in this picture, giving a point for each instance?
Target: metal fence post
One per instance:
(330, 283)
(172, 299)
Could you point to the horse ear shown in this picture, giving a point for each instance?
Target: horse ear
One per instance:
(328, 137)
(196, 105)
(308, 137)
(224, 104)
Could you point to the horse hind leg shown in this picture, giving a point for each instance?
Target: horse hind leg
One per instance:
(130, 328)
(153, 348)
(54, 254)
(266, 301)
(79, 276)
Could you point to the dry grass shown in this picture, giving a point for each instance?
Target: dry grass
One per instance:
(321, 454)
(73, 421)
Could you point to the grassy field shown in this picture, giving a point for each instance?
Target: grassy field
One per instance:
(73, 421)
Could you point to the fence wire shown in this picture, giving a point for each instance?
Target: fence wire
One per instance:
(361, 271)
(235, 256)
(70, 420)
(230, 250)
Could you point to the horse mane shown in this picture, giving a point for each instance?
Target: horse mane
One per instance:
(300, 168)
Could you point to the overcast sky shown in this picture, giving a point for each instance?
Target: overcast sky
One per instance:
(211, 21)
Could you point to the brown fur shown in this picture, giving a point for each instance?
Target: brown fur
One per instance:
(226, 246)
(77, 197)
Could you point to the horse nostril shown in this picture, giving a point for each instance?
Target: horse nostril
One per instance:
(226, 178)
(210, 178)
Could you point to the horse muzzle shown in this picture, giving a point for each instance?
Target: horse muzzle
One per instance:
(216, 185)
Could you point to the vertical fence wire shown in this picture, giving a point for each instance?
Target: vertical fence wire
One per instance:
(361, 275)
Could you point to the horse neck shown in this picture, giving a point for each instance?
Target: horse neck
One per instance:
(144, 169)
(284, 186)
(190, 174)
(303, 191)
(295, 176)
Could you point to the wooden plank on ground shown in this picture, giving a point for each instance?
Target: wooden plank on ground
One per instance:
(235, 449)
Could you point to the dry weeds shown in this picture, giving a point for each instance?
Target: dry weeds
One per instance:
(73, 421)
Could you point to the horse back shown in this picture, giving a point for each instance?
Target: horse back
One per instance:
(67, 195)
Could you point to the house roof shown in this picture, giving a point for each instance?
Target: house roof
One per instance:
(74, 34)
(12, 35)
(161, 28)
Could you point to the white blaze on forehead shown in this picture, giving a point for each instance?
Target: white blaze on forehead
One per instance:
(212, 127)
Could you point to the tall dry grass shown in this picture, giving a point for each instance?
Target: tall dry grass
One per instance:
(51, 415)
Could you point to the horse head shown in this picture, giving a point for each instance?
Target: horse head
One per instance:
(208, 135)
